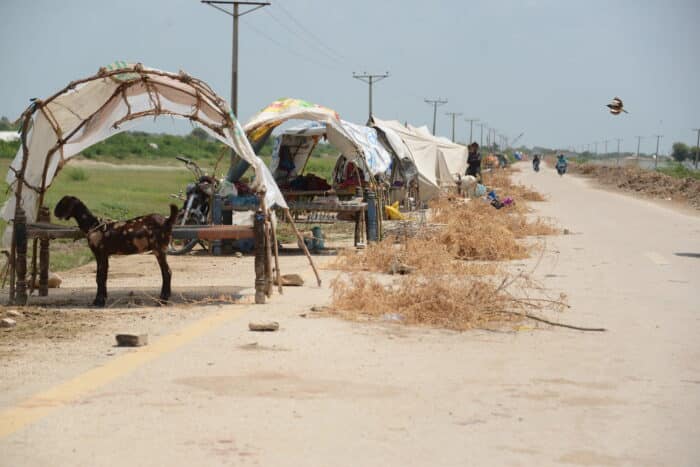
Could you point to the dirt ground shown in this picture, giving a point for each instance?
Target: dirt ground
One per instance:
(325, 391)
(648, 183)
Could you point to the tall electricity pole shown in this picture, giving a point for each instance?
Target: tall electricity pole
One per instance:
(481, 133)
(697, 148)
(618, 150)
(435, 103)
(453, 115)
(639, 142)
(471, 127)
(234, 53)
(656, 159)
(606, 146)
(370, 79)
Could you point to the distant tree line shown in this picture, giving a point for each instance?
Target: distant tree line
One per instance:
(681, 151)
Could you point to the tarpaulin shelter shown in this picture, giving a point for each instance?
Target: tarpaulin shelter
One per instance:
(353, 141)
(299, 142)
(437, 160)
(90, 110)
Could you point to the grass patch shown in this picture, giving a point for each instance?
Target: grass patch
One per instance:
(108, 192)
(77, 174)
(680, 171)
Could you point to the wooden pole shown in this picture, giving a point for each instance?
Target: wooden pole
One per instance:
(303, 245)
(259, 229)
(20, 231)
(268, 252)
(278, 275)
(44, 216)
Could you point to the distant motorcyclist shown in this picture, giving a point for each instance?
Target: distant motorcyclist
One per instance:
(536, 163)
(562, 164)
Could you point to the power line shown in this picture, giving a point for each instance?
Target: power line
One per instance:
(370, 79)
(302, 37)
(435, 103)
(291, 50)
(311, 34)
(453, 114)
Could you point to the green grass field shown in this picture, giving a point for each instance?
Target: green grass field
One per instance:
(122, 193)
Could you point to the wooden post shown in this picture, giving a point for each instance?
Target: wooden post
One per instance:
(259, 232)
(278, 274)
(20, 232)
(303, 245)
(268, 255)
(44, 216)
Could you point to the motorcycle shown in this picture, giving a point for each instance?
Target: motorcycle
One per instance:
(561, 168)
(195, 209)
(536, 165)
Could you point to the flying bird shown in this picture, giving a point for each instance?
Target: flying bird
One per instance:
(616, 106)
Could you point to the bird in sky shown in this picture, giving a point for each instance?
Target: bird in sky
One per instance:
(616, 106)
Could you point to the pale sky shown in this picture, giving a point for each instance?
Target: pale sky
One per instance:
(543, 67)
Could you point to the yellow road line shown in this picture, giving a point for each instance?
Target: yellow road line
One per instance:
(43, 403)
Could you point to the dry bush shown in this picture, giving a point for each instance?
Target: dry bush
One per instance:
(451, 302)
(423, 255)
(500, 181)
(475, 230)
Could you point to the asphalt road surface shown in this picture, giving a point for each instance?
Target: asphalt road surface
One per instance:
(325, 392)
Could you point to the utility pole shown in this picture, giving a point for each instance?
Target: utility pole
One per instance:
(453, 115)
(234, 53)
(639, 142)
(697, 148)
(370, 79)
(471, 127)
(618, 150)
(606, 146)
(656, 158)
(435, 103)
(481, 133)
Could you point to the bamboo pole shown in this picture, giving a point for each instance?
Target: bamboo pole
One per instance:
(303, 245)
(278, 274)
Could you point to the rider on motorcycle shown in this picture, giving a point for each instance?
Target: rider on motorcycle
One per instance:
(562, 163)
(536, 162)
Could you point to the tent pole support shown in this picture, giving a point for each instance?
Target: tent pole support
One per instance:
(303, 245)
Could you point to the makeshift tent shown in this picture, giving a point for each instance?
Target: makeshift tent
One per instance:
(437, 160)
(92, 109)
(297, 143)
(353, 141)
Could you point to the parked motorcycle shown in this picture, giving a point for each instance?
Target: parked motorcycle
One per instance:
(195, 209)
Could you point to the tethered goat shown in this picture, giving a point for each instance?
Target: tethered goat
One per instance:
(146, 233)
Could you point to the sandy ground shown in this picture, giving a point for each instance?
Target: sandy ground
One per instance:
(323, 391)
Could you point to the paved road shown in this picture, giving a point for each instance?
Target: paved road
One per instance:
(324, 392)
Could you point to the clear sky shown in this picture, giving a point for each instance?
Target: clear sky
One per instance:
(543, 67)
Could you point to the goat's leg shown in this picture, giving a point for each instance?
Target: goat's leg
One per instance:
(102, 269)
(162, 258)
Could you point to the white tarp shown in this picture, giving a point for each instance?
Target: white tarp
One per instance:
(438, 160)
(377, 158)
(105, 104)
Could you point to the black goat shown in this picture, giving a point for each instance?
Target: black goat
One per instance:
(146, 233)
